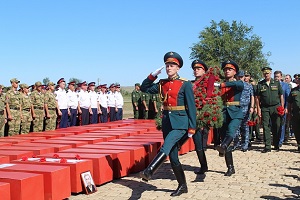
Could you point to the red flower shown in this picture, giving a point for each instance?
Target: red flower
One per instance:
(24, 158)
(34, 156)
(55, 156)
(63, 160)
(206, 114)
(280, 110)
(214, 119)
(77, 157)
(43, 159)
(251, 123)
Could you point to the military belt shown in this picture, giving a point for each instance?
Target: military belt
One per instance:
(51, 108)
(26, 109)
(174, 107)
(1, 112)
(37, 107)
(14, 108)
(232, 103)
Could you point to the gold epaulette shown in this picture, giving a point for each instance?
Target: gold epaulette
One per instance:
(183, 79)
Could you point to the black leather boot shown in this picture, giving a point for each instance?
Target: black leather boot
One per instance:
(225, 144)
(203, 163)
(182, 187)
(183, 140)
(229, 163)
(153, 166)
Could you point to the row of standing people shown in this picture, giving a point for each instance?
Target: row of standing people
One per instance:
(23, 110)
(180, 119)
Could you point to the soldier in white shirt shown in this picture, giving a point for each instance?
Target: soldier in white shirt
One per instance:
(112, 102)
(95, 107)
(62, 101)
(119, 103)
(72, 103)
(103, 100)
(84, 104)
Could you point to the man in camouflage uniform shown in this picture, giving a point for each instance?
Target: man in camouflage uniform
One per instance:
(136, 100)
(37, 100)
(50, 108)
(2, 112)
(145, 98)
(13, 108)
(26, 109)
(154, 106)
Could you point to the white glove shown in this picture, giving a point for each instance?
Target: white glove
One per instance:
(217, 84)
(158, 71)
(190, 135)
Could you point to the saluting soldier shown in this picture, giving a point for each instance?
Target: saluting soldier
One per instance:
(294, 111)
(13, 108)
(231, 91)
(72, 103)
(38, 113)
(3, 116)
(26, 109)
(103, 100)
(269, 95)
(179, 116)
(50, 107)
(136, 100)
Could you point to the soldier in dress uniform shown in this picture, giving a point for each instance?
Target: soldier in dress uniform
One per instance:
(136, 100)
(95, 106)
(50, 107)
(179, 116)
(72, 103)
(26, 109)
(84, 104)
(269, 96)
(231, 91)
(294, 111)
(38, 113)
(119, 103)
(62, 102)
(13, 108)
(112, 102)
(3, 116)
(103, 100)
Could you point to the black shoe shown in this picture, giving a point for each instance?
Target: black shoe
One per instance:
(202, 161)
(276, 149)
(230, 171)
(229, 164)
(244, 150)
(221, 154)
(180, 190)
(266, 150)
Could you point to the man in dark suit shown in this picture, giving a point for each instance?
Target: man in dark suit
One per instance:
(231, 91)
(178, 117)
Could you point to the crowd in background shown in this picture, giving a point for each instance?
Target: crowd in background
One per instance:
(39, 107)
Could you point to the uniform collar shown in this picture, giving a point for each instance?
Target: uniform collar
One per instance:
(174, 78)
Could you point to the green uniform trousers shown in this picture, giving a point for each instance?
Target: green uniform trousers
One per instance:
(38, 121)
(26, 122)
(14, 124)
(50, 123)
(269, 115)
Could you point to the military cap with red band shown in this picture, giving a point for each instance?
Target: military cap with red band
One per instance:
(173, 57)
(230, 64)
(61, 80)
(199, 64)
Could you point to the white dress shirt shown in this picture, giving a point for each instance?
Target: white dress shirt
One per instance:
(84, 99)
(72, 99)
(111, 99)
(61, 98)
(103, 99)
(119, 100)
(94, 99)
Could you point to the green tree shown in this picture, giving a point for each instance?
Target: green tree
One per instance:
(222, 41)
(46, 81)
(76, 80)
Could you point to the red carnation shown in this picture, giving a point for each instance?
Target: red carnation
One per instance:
(43, 159)
(214, 119)
(280, 110)
(63, 160)
(55, 156)
(24, 158)
(77, 157)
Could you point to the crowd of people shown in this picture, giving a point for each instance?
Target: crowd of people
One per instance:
(39, 107)
(272, 104)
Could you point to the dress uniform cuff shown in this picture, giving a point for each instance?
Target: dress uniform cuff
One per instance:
(222, 85)
(151, 77)
(192, 130)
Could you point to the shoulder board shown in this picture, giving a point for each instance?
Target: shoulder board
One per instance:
(164, 79)
(183, 79)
